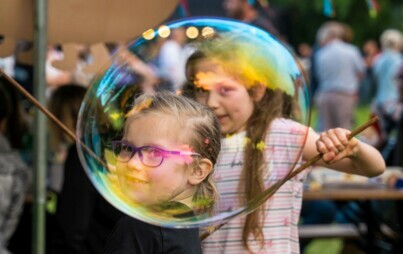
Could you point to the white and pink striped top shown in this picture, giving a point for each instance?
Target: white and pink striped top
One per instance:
(283, 147)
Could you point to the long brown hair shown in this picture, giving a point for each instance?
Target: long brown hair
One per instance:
(264, 112)
(274, 104)
(65, 104)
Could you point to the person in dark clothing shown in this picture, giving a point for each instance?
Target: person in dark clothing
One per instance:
(399, 118)
(137, 237)
(15, 176)
(84, 219)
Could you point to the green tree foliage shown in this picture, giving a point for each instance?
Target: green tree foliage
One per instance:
(302, 18)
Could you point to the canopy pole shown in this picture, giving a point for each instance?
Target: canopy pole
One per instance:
(40, 145)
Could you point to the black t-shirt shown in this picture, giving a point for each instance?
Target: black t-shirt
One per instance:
(137, 237)
(84, 219)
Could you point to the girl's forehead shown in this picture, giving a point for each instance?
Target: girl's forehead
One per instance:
(213, 76)
(209, 65)
(220, 69)
(154, 121)
(165, 128)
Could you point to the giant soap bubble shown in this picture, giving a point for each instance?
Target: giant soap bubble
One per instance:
(140, 162)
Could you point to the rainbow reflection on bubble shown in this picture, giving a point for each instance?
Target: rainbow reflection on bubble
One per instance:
(249, 53)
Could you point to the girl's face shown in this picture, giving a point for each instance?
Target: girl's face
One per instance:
(227, 97)
(153, 185)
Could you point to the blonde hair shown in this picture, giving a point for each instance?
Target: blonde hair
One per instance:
(251, 66)
(330, 30)
(392, 39)
(203, 131)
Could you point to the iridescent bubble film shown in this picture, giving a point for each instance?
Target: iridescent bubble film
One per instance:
(147, 151)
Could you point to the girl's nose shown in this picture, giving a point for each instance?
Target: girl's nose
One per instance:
(212, 100)
(135, 162)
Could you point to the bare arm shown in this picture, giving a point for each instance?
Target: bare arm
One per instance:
(354, 156)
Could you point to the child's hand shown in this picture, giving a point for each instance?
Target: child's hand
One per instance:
(334, 145)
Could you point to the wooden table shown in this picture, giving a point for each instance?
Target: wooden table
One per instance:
(364, 195)
(348, 194)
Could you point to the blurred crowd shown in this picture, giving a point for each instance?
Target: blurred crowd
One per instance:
(342, 77)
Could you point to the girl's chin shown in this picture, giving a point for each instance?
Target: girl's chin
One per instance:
(141, 200)
(225, 133)
(226, 130)
(137, 195)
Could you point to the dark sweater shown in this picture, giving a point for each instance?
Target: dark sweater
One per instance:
(137, 237)
(84, 218)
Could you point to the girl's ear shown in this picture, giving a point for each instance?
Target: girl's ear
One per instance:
(200, 171)
(258, 91)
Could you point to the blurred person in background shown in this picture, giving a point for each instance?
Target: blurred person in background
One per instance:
(7, 63)
(370, 51)
(172, 58)
(304, 51)
(85, 58)
(385, 71)
(14, 174)
(67, 64)
(348, 33)
(399, 118)
(23, 69)
(84, 218)
(55, 77)
(313, 70)
(340, 68)
(149, 80)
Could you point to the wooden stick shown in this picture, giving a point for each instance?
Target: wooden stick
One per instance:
(38, 104)
(315, 159)
(44, 110)
(293, 173)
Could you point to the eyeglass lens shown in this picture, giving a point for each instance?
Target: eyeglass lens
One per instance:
(149, 156)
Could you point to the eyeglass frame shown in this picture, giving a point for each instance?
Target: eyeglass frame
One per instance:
(136, 149)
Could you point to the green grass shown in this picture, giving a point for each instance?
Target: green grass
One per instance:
(325, 246)
(362, 115)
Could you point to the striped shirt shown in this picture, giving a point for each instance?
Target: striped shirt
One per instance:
(282, 147)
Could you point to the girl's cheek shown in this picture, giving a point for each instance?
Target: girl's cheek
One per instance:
(154, 174)
(188, 159)
(174, 161)
(120, 167)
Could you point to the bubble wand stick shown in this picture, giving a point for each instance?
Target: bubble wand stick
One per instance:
(270, 191)
(44, 110)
